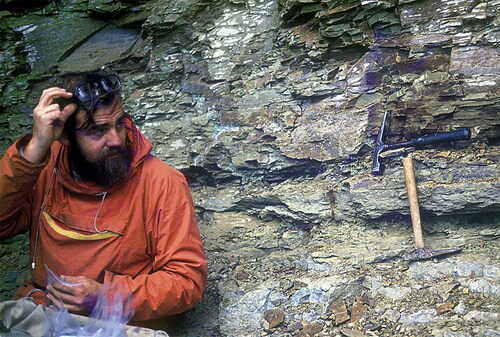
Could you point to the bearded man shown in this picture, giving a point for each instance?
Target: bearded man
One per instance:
(99, 207)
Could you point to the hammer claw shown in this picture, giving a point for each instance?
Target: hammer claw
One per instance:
(382, 130)
(379, 147)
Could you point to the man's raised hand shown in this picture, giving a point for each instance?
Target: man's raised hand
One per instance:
(48, 123)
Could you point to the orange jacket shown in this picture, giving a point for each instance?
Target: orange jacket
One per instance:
(140, 234)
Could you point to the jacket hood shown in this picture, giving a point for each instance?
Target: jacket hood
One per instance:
(141, 149)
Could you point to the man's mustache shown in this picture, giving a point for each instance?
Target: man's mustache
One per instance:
(115, 151)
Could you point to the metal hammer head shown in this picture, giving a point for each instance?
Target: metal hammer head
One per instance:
(424, 254)
(437, 138)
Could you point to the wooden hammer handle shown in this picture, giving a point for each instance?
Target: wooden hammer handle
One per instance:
(411, 190)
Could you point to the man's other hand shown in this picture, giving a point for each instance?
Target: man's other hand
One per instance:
(48, 123)
(79, 299)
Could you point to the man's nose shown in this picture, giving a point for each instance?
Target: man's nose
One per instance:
(113, 138)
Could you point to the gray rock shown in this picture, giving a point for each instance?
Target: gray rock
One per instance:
(429, 271)
(108, 45)
(65, 31)
(392, 315)
(461, 60)
(484, 286)
(468, 268)
(394, 294)
(308, 317)
(245, 314)
(488, 333)
(420, 317)
(450, 333)
(492, 273)
(460, 308)
(482, 316)
(314, 294)
(314, 266)
(387, 194)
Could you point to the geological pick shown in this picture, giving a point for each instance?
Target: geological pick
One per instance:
(420, 252)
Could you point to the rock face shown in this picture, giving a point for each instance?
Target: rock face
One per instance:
(271, 109)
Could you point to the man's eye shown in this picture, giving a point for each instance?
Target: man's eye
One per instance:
(97, 132)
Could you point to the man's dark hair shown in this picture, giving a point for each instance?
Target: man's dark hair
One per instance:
(74, 80)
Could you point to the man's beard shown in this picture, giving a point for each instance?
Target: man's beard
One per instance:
(106, 171)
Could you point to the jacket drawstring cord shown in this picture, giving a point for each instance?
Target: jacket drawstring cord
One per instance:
(33, 263)
(99, 211)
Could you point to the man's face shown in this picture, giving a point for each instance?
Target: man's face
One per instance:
(99, 152)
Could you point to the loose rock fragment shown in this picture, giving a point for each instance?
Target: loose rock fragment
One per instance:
(339, 309)
(445, 289)
(312, 329)
(352, 333)
(391, 315)
(294, 327)
(272, 318)
(358, 311)
(444, 307)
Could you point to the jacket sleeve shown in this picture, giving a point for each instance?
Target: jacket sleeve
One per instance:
(18, 176)
(179, 264)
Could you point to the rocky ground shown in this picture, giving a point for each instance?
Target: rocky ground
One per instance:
(13, 265)
(343, 279)
(350, 280)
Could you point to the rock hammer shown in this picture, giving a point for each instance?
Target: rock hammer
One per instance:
(437, 138)
(420, 252)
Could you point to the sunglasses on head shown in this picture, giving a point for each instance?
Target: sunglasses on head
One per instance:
(89, 94)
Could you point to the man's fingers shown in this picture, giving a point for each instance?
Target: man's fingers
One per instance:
(53, 113)
(54, 118)
(71, 307)
(65, 294)
(49, 94)
(73, 298)
(76, 293)
(46, 109)
(46, 95)
(68, 299)
(69, 109)
(55, 301)
(62, 288)
(74, 279)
